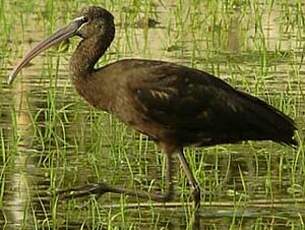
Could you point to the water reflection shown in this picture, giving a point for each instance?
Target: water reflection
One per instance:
(21, 205)
(17, 198)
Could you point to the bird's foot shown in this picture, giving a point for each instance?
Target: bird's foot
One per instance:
(81, 191)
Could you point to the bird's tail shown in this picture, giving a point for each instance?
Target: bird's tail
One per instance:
(270, 123)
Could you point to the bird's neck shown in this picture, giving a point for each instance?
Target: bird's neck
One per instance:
(87, 53)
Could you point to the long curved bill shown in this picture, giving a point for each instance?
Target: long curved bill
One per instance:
(60, 35)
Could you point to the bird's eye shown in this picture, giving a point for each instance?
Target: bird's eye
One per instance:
(85, 19)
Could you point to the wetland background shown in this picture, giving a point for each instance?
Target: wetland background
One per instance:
(50, 138)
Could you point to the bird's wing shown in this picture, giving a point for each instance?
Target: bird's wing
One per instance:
(186, 99)
(200, 108)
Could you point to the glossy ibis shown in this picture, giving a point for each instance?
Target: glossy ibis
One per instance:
(176, 106)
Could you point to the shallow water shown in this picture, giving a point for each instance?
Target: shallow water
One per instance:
(51, 139)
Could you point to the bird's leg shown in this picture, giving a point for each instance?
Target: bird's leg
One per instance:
(191, 178)
(195, 188)
(101, 188)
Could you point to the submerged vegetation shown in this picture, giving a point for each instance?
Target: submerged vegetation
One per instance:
(50, 138)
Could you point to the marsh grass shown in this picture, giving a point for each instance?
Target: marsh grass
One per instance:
(256, 46)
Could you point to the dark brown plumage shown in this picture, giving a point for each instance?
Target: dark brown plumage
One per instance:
(175, 105)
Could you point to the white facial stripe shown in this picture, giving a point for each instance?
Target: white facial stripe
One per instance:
(79, 18)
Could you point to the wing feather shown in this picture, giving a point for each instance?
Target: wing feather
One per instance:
(183, 100)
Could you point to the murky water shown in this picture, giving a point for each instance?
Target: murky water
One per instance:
(51, 139)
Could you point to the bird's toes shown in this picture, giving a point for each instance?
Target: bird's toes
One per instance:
(81, 191)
